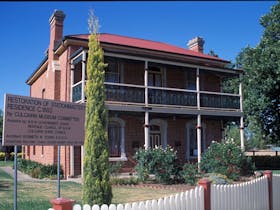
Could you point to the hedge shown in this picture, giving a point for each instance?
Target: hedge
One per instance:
(266, 162)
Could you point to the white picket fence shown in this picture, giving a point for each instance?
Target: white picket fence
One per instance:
(189, 200)
(251, 195)
(276, 191)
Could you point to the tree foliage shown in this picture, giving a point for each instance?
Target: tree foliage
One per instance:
(96, 184)
(261, 80)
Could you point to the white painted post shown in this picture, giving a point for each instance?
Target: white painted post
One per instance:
(198, 127)
(72, 80)
(83, 76)
(146, 125)
(71, 161)
(241, 118)
(82, 160)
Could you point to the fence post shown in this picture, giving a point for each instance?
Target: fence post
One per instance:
(62, 204)
(206, 184)
(268, 174)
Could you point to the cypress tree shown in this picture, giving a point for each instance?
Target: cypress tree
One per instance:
(96, 183)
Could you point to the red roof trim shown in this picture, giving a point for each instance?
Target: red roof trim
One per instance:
(147, 44)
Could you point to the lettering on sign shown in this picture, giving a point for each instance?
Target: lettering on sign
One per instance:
(34, 121)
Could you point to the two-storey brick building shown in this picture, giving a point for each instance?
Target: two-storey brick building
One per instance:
(156, 94)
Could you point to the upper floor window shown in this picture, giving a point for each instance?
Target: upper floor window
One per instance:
(155, 77)
(112, 72)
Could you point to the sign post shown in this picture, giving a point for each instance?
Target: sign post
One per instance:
(58, 171)
(15, 178)
(34, 121)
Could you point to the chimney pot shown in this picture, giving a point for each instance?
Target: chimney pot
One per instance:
(196, 44)
(57, 15)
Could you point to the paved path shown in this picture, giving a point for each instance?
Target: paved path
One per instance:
(21, 176)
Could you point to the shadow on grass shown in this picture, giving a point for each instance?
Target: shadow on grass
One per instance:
(6, 185)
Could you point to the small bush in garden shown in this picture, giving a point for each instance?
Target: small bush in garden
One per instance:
(190, 173)
(157, 161)
(37, 170)
(2, 155)
(226, 158)
(124, 181)
(12, 155)
(115, 168)
(218, 178)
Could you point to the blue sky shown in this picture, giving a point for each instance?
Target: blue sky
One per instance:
(226, 27)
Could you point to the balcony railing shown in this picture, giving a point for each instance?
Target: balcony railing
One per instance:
(162, 96)
(172, 97)
(219, 100)
(125, 93)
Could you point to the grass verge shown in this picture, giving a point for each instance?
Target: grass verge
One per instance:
(36, 195)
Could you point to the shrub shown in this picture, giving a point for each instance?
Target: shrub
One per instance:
(124, 181)
(226, 158)
(115, 167)
(267, 162)
(12, 154)
(218, 178)
(2, 155)
(190, 173)
(38, 170)
(158, 161)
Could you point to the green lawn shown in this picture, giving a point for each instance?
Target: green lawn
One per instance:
(6, 163)
(36, 195)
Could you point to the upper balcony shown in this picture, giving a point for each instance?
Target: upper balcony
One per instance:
(128, 83)
(135, 94)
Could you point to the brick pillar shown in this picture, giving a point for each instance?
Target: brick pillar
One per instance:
(268, 174)
(62, 204)
(206, 184)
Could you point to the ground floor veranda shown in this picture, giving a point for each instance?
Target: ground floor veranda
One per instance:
(127, 132)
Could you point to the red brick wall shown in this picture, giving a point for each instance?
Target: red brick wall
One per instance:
(175, 78)
(134, 73)
(209, 82)
(213, 131)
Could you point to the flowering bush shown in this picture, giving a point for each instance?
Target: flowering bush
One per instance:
(226, 158)
(190, 173)
(157, 161)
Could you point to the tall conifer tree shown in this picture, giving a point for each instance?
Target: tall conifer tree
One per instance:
(96, 183)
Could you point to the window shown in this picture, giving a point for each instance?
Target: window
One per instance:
(155, 136)
(112, 72)
(43, 93)
(155, 77)
(34, 150)
(42, 150)
(114, 136)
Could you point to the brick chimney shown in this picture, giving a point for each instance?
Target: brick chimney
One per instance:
(196, 44)
(56, 29)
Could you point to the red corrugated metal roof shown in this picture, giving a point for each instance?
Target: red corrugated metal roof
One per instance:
(147, 44)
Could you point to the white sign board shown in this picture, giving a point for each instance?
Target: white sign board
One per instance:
(34, 121)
